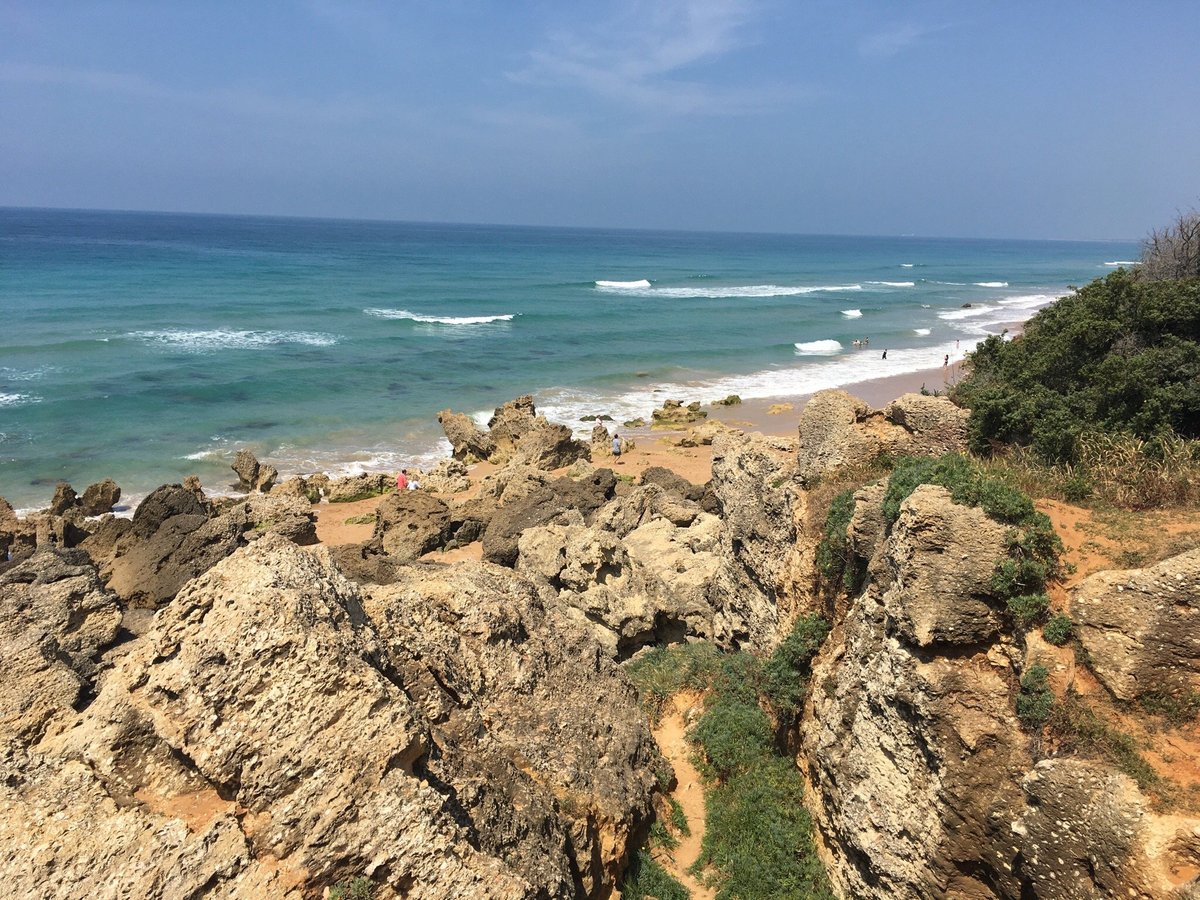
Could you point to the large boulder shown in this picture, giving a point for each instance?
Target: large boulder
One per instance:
(768, 570)
(549, 446)
(359, 487)
(1141, 627)
(838, 430)
(55, 621)
(245, 465)
(468, 442)
(935, 424)
(940, 597)
(64, 499)
(276, 731)
(409, 524)
(562, 501)
(510, 422)
(100, 498)
(448, 477)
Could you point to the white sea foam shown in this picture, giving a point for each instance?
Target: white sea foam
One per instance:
(906, 265)
(438, 320)
(223, 339)
(10, 374)
(852, 313)
(623, 285)
(977, 318)
(7, 400)
(921, 331)
(894, 283)
(1122, 262)
(733, 292)
(990, 284)
(818, 348)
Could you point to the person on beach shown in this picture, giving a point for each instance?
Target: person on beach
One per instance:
(946, 361)
(616, 447)
(414, 483)
(402, 480)
(885, 354)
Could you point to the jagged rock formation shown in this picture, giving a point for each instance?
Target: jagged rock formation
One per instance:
(838, 430)
(276, 731)
(922, 783)
(252, 475)
(100, 498)
(1141, 627)
(516, 433)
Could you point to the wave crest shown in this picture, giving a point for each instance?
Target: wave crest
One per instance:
(894, 283)
(437, 320)
(818, 348)
(990, 284)
(623, 285)
(206, 341)
(7, 400)
(852, 313)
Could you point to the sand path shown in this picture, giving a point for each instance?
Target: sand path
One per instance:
(671, 734)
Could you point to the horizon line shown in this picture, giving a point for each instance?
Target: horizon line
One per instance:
(625, 228)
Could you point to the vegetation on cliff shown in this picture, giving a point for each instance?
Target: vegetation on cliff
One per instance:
(758, 839)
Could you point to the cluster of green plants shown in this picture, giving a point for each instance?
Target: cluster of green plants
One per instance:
(1120, 355)
(354, 889)
(758, 839)
(1077, 727)
(646, 879)
(840, 568)
(1032, 546)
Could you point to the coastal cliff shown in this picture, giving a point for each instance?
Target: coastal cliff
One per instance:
(205, 701)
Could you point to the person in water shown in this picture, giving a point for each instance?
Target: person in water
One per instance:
(885, 354)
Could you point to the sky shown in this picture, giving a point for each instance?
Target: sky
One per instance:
(958, 118)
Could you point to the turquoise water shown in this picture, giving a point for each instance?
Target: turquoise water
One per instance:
(145, 347)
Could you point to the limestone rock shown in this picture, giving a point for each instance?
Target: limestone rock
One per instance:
(837, 430)
(408, 524)
(511, 421)
(562, 501)
(100, 498)
(166, 502)
(936, 425)
(1141, 627)
(64, 499)
(245, 465)
(766, 571)
(601, 441)
(549, 446)
(674, 414)
(469, 520)
(941, 559)
(469, 443)
(359, 487)
(55, 620)
(448, 477)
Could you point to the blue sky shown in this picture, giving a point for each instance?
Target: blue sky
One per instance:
(1004, 119)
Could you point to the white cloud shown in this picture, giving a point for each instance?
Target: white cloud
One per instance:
(886, 44)
(648, 57)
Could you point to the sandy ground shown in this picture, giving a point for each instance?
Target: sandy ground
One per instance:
(671, 735)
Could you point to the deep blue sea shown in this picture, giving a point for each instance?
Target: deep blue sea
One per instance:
(145, 347)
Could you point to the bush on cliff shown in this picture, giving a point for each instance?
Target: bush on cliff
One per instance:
(838, 566)
(1122, 354)
(1033, 547)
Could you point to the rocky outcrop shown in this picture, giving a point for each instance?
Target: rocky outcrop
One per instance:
(674, 414)
(277, 731)
(837, 430)
(921, 779)
(55, 620)
(448, 477)
(648, 584)
(1141, 627)
(468, 442)
(517, 434)
(176, 536)
(100, 498)
(562, 501)
(359, 487)
(767, 567)
(409, 524)
(253, 475)
(64, 499)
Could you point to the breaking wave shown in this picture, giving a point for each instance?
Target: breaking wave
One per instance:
(1122, 262)
(990, 284)
(921, 331)
(730, 292)
(437, 320)
(894, 283)
(623, 285)
(818, 348)
(222, 339)
(852, 313)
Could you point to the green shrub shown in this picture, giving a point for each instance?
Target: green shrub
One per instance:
(1078, 728)
(645, 878)
(1059, 629)
(734, 735)
(1177, 707)
(1035, 700)
(758, 836)
(1028, 609)
(662, 672)
(785, 674)
(834, 559)
(354, 889)
(1122, 354)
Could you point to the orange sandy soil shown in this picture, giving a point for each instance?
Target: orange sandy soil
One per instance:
(671, 734)
(1095, 540)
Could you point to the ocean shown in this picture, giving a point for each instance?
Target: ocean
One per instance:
(148, 346)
